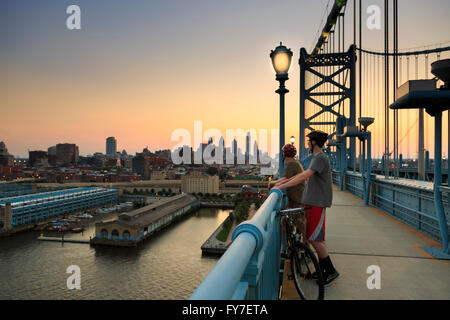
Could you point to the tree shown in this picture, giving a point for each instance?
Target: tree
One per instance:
(152, 191)
(212, 171)
(135, 191)
(222, 175)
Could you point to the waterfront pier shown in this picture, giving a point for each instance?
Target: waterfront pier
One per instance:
(133, 227)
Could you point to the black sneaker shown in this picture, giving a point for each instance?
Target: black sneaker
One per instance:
(329, 277)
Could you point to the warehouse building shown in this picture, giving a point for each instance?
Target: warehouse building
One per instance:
(135, 226)
(27, 210)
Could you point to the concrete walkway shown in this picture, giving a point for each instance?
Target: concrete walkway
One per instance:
(358, 237)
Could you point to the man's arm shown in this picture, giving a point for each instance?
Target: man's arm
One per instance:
(298, 178)
(273, 183)
(281, 181)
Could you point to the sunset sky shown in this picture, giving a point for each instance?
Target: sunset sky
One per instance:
(139, 69)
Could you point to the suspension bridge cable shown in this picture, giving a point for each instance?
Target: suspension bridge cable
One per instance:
(321, 22)
(411, 53)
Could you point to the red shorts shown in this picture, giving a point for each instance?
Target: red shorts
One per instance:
(315, 223)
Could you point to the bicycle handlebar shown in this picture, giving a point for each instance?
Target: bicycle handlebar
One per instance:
(302, 209)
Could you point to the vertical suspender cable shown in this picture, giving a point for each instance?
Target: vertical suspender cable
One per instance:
(386, 88)
(376, 105)
(426, 117)
(421, 150)
(408, 112)
(417, 67)
(343, 47)
(366, 93)
(360, 72)
(401, 114)
(373, 85)
(343, 30)
(395, 85)
(381, 108)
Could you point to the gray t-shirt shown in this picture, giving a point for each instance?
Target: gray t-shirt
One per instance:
(319, 190)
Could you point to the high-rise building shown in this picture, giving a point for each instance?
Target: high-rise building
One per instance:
(247, 144)
(51, 155)
(234, 149)
(66, 153)
(6, 159)
(36, 158)
(141, 165)
(255, 156)
(51, 151)
(247, 148)
(111, 146)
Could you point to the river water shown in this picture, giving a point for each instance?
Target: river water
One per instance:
(167, 266)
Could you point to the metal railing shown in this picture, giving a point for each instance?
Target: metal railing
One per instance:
(250, 267)
(411, 205)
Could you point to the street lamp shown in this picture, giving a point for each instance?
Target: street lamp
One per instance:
(281, 61)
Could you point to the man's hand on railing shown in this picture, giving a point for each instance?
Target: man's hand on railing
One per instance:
(275, 187)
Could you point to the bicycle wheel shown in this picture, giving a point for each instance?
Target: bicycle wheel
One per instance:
(303, 265)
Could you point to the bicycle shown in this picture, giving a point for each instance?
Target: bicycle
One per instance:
(305, 268)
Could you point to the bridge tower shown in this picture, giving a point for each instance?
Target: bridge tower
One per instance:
(327, 82)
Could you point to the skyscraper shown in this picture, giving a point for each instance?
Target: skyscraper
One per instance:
(111, 146)
(66, 153)
(6, 159)
(247, 148)
(255, 156)
(247, 144)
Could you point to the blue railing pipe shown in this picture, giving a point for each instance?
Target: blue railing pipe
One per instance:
(224, 278)
(241, 265)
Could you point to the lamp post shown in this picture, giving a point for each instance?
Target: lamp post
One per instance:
(281, 61)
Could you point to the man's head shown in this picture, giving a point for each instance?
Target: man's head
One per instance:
(289, 151)
(317, 139)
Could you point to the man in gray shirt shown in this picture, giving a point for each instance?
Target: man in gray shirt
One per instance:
(318, 195)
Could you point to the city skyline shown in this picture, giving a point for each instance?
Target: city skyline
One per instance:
(141, 71)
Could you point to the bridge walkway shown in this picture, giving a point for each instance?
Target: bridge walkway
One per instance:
(358, 237)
